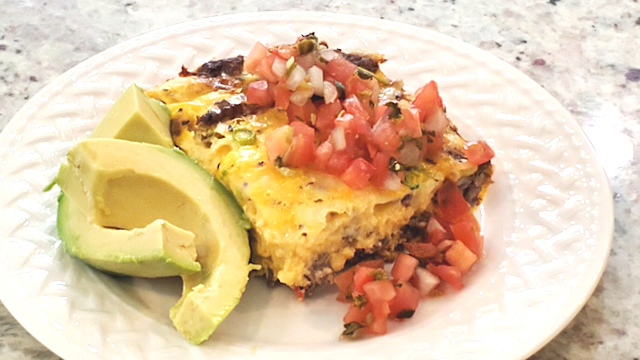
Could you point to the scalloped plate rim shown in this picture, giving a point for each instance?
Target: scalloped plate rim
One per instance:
(27, 320)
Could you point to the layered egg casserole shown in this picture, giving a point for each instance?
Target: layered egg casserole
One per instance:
(313, 217)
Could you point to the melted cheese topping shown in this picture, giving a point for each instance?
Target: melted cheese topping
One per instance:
(307, 223)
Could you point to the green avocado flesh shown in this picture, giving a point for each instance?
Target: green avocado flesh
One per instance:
(136, 117)
(157, 250)
(127, 185)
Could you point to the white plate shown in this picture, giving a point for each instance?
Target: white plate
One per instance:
(548, 218)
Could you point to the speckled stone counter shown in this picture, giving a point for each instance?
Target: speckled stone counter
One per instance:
(585, 53)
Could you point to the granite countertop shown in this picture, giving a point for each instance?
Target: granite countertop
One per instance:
(584, 53)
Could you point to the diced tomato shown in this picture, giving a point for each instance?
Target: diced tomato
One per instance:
(344, 281)
(362, 276)
(427, 99)
(355, 314)
(478, 152)
(372, 149)
(341, 69)
(264, 69)
(379, 291)
(258, 93)
(376, 264)
(300, 128)
(356, 86)
(410, 124)
(356, 125)
(381, 171)
(354, 107)
(403, 268)
(286, 51)
(256, 54)
(421, 250)
(338, 163)
(325, 118)
(356, 133)
(382, 111)
(406, 301)
(357, 174)
(435, 231)
(301, 113)
(278, 141)
(379, 324)
(323, 154)
(367, 92)
(281, 95)
(460, 256)
(448, 273)
(432, 145)
(301, 151)
(451, 203)
(466, 229)
(385, 137)
(356, 145)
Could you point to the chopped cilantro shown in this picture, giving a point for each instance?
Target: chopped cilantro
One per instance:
(351, 328)
(405, 314)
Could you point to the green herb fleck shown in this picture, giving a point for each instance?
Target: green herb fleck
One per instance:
(360, 301)
(351, 328)
(411, 179)
(244, 136)
(405, 314)
(291, 65)
(378, 274)
(342, 93)
(307, 45)
(396, 113)
(278, 161)
(364, 74)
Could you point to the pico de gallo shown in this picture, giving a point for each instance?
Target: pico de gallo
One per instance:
(344, 119)
(356, 124)
(451, 244)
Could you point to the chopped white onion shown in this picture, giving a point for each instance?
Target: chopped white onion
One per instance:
(338, 139)
(307, 60)
(295, 78)
(436, 122)
(315, 78)
(300, 96)
(410, 154)
(329, 54)
(392, 182)
(444, 245)
(426, 281)
(279, 66)
(434, 225)
(329, 92)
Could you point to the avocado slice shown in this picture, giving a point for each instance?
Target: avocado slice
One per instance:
(136, 117)
(160, 249)
(126, 185)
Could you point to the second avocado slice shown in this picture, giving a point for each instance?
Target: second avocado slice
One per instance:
(128, 185)
(157, 250)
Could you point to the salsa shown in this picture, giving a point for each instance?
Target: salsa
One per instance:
(344, 119)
